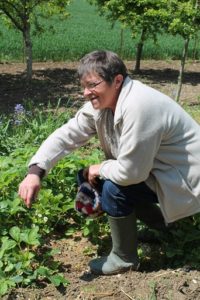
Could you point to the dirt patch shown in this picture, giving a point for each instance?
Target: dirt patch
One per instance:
(151, 282)
(155, 279)
(54, 81)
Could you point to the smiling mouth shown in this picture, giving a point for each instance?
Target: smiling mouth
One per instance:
(94, 99)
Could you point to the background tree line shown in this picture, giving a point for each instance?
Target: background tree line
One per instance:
(145, 18)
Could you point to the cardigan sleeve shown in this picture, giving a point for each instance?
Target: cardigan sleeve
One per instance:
(75, 133)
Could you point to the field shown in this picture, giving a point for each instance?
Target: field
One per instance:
(160, 277)
(44, 251)
(82, 32)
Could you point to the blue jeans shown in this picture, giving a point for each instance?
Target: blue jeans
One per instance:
(119, 201)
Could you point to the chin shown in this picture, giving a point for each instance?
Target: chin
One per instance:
(96, 106)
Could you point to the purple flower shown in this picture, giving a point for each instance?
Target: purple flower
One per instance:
(19, 113)
(19, 109)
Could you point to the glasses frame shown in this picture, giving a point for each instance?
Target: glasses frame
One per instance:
(92, 86)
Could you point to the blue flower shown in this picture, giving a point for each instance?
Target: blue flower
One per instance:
(19, 113)
(19, 109)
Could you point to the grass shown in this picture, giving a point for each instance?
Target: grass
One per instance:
(82, 32)
(194, 111)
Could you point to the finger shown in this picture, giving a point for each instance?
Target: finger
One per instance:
(20, 190)
(23, 193)
(31, 195)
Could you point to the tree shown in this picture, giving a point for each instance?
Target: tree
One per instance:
(184, 19)
(145, 18)
(22, 14)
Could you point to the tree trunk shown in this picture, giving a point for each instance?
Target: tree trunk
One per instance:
(180, 77)
(28, 52)
(139, 51)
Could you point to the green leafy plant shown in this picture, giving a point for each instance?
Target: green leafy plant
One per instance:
(23, 231)
(24, 255)
(182, 244)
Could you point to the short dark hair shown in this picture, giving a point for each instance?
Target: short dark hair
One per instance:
(106, 64)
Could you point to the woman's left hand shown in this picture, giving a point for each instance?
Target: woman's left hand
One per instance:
(93, 174)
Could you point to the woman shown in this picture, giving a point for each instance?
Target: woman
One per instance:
(151, 148)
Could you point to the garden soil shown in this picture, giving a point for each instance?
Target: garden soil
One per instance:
(155, 280)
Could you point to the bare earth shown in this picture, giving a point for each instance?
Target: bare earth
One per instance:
(155, 279)
(53, 81)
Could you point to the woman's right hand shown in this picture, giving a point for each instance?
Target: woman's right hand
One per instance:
(29, 188)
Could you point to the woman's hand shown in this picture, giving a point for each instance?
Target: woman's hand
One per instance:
(29, 188)
(93, 174)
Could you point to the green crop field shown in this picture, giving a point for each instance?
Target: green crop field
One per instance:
(82, 32)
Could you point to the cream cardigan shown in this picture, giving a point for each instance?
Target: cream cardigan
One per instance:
(150, 138)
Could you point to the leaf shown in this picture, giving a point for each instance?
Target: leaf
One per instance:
(86, 231)
(3, 288)
(54, 251)
(5, 284)
(15, 233)
(7, 244)
(16, 207)
(3, 205)
(18, 265)
(17, 278)
(58, 279)
(9, 267)
(43, 271)
(31, 236)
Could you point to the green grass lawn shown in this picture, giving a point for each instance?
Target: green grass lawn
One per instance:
(82, 32)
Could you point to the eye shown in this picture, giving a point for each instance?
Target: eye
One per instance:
(91, 85)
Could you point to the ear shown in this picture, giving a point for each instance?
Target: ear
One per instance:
(118, 81)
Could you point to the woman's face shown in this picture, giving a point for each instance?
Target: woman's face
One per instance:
(100, 93)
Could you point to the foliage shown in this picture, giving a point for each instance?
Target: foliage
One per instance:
(147, 18)
(138, 15)
(18, 13)
(83, 31)
(25, 257)
(21, 14)
(183, 19)
(23, 232)
(182, 243)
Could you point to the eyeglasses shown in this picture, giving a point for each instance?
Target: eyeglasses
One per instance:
(92, 85)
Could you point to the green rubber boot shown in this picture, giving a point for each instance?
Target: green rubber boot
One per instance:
(123, 256)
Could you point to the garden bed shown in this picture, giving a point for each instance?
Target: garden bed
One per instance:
(156, 279)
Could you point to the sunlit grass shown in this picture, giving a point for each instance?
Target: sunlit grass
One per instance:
(194, 111)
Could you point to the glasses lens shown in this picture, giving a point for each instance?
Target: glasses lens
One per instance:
(91, 85)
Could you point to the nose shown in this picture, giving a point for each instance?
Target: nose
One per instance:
(86, 92)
